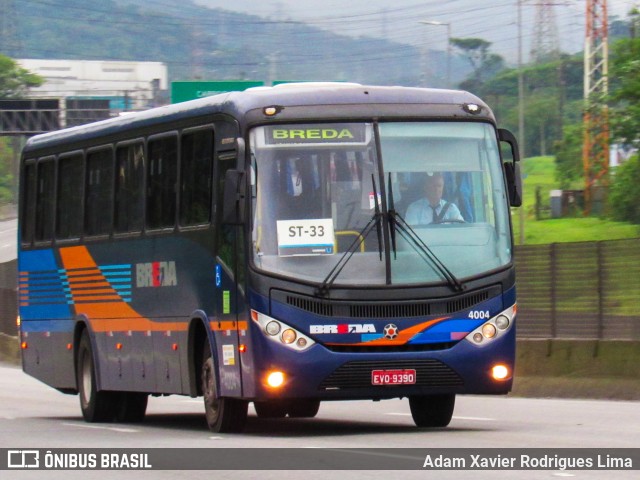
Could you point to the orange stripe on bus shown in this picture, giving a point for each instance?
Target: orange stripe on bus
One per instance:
(79, 257)
(229, 325)
(135, 325)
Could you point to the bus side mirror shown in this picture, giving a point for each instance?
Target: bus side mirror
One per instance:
(233, 198)
(512, 169)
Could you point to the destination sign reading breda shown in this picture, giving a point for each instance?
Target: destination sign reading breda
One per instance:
(315, 133)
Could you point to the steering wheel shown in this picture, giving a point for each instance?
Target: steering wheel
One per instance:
(451, 220)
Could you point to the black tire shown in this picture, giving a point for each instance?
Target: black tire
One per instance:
(96, 406)
(132, 407)
(432, 410)
(271, 409)
(223, 415)
(304, 408)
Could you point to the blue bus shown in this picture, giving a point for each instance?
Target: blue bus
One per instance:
(284, 246)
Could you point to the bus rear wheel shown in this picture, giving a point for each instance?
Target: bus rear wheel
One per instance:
(223, 415)
(96, 406)
(132, 407)
(432, 410)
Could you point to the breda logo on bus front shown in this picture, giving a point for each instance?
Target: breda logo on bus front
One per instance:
(330, 133)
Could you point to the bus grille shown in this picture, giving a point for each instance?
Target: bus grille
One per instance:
(357, 374)
(405, 309)
(417, 347)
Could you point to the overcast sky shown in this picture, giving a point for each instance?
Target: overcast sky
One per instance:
(493, 20)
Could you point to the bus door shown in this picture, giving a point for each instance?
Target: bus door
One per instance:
(227, 326)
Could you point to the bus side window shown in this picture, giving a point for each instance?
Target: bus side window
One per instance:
(99, 192)
(196, 177)
(129, 207)
(69, 205)
(162, 175)
(45, 199)
(29, 203)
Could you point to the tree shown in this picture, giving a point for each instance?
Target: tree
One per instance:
(15, 80)
(484, 64)
(624, 195)
(625, 91)
(625, 114)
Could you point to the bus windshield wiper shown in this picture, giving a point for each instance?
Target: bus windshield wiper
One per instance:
(397, 223)
(375, 220)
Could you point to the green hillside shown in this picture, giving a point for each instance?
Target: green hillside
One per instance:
(201, 43)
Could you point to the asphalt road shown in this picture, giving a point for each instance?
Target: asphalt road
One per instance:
(33, 415)
(8, 236)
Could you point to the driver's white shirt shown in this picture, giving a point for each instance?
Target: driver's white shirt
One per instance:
(421, 212)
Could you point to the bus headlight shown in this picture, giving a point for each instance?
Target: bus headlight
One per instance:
(289, 337)
(275, 379)
(502, 322)
(500, 372)
(272, 328)
(489, 330)
(493, 328)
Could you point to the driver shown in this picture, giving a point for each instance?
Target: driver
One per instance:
(432, 208)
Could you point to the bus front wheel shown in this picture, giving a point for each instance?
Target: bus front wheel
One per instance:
(271, 409)
(432, 410)
(304, 408)
(222, 414)
(96, 406)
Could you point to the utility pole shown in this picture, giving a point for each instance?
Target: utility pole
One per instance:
(595, 147)
(546, 44)
(448, 25)
(521, 137)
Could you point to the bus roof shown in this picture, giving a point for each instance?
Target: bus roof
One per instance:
(239, 104)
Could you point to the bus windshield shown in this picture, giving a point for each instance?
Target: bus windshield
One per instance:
(389, 196)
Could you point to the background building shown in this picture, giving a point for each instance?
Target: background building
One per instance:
(119, 85)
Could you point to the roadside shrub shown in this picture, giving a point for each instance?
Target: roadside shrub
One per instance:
(624, 195)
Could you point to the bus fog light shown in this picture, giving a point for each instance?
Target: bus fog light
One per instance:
(272, 328)
(289, 336)
(477, 337)
(489, 330)
(275, 379)
(302, 342)
(500, 372)
(502, 322)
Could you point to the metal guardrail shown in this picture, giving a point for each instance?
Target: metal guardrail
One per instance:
(587, 290)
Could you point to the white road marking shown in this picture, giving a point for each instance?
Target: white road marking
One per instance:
(98, 427)
(476, 419)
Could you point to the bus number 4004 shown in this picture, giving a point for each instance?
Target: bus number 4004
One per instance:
(479, 314)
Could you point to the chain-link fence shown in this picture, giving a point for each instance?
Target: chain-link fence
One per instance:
(587, 290)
